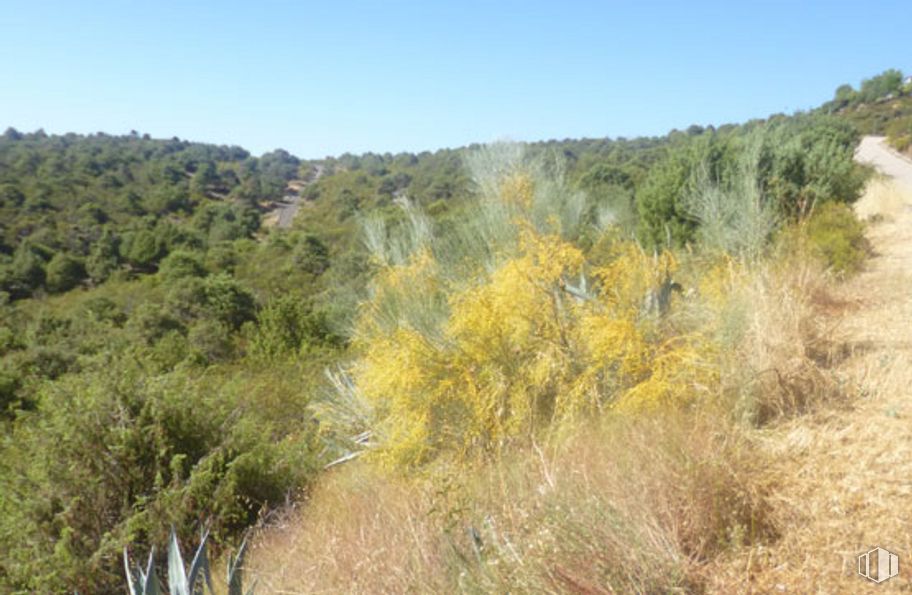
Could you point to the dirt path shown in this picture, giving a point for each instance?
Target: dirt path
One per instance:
(873, 150)
(285, 210)
(846, 472)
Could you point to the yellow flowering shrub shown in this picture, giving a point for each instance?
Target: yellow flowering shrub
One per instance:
(513, 351)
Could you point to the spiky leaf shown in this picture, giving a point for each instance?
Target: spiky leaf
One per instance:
(177, 575)
(235, 573)
(200, 564)
(150, 584)
(133, 576)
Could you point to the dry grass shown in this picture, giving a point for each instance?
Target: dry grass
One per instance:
(632, 505)
(792, 337)
(846, 471)
(882, 199)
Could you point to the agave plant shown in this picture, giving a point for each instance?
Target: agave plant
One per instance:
(183, 581)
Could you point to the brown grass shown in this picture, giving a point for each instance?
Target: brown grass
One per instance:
(628, 505)
(882, 199)
(845, 471)
(792, 338)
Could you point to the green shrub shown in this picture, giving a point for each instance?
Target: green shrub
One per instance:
(288, 325)
(180, 264)
(124, 454)
(104, 257)
(10, 383)
(662, 199)
(142, 249)
(64, 272)
(836, 235)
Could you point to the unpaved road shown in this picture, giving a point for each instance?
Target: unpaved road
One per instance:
(287, 208)
(873, 150)
(845, 472)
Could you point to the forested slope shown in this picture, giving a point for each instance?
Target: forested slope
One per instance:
(164, 356)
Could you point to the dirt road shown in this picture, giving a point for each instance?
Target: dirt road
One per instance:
(286, 209)
(874, 151)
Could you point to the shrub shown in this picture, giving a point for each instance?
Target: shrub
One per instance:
(64, 272)
(665, 217)
(836, 235)
(142, 249)
(807, 161)
(180, 264)
(288, 325)
(126, 454)
(228, 301)
(476, 339)
(104, 257)
(210, 341)
(10, 383)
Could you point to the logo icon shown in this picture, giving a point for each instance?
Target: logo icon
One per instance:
(878, 565)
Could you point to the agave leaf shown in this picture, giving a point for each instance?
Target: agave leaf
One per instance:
(153, 586)
(177, 575)
(235, 572)
(132, 576)
(199, 564)
(150, 584)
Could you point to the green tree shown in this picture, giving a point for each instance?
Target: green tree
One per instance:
(845, 96)
(227, 301)
(205, 177)
(142, 249)
(64, 272)
(181, 263)
(27, 271)
(104, 257)
(664, 215)
(311, 255)
(886, 83)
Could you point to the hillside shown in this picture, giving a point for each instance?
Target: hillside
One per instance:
(478, 318)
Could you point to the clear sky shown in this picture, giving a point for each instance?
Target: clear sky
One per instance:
(322, 78)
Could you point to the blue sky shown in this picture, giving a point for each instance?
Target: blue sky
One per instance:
(324, 78)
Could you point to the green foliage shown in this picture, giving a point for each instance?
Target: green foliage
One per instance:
(887, 84)
(180, 264)
(104, 257)
(142, 249)
(808, 160)
(98, 198)
(26, 272)
(312, 255)
(10, 383)
(734, 216)
(64, 272)
(124, 455)
(836, 234)
(665, 218)
(794, 164)
(227, 301)
(288, 326)
(899, 133)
